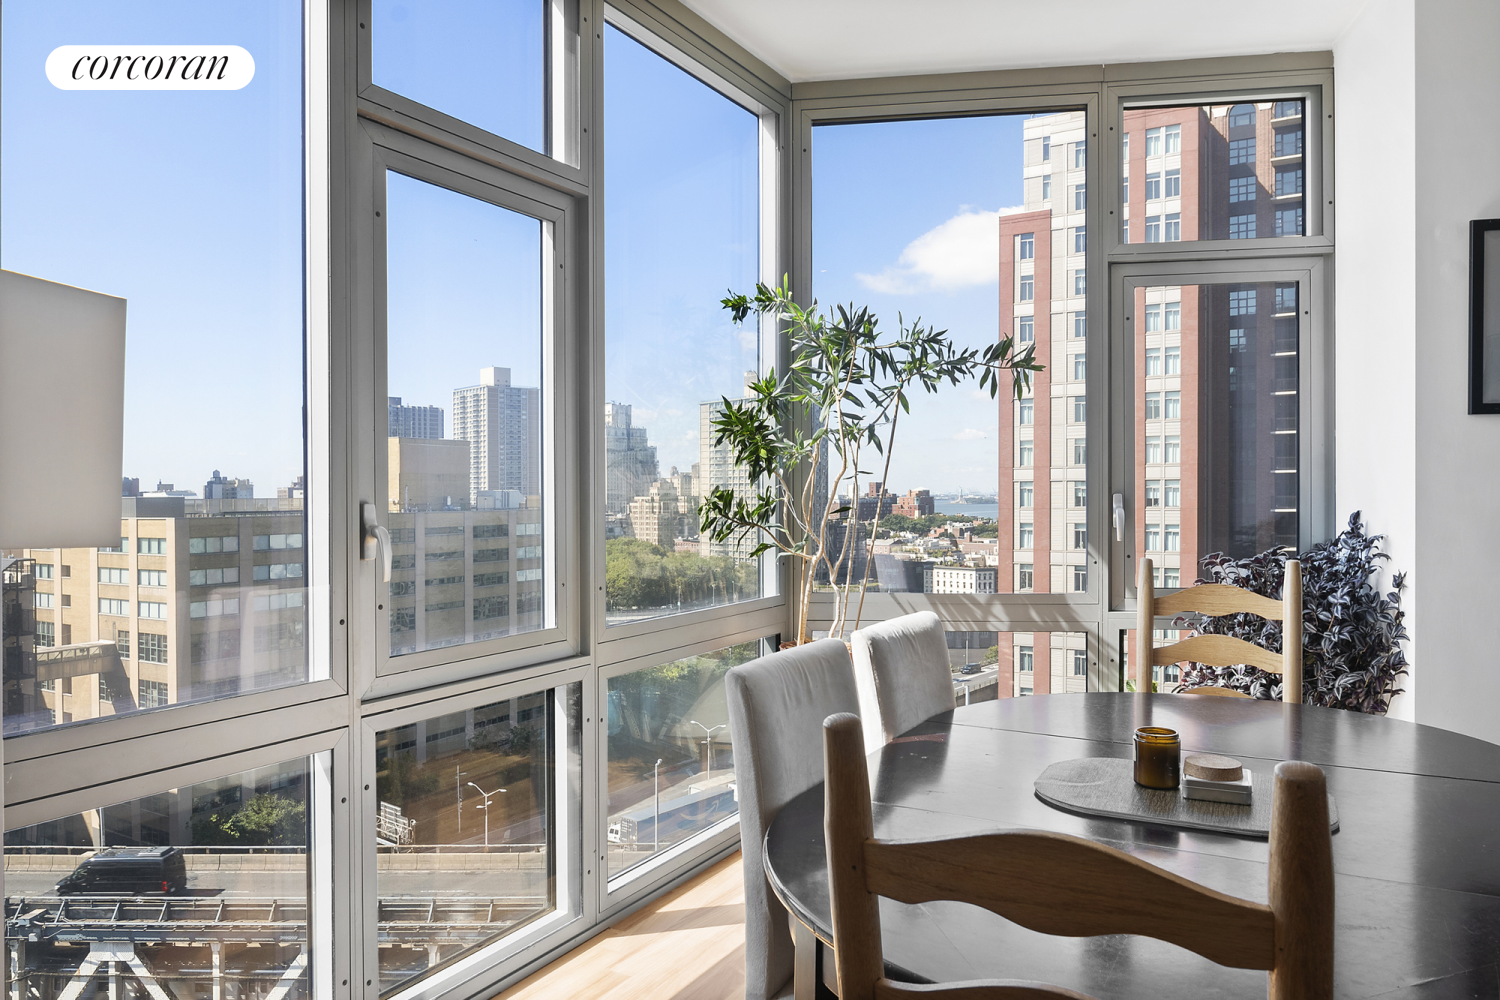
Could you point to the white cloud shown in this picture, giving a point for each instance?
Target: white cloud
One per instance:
(959, 253)
(969, 434)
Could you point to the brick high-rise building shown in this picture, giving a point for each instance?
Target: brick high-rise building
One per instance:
(1215, 365)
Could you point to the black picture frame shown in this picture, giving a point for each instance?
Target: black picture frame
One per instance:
(1484, 276)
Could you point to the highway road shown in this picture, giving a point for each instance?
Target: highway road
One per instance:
(293, 884)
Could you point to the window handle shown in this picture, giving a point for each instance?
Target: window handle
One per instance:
(1119, 519)
(377, 541)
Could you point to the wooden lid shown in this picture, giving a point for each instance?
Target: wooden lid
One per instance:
(1212, 767)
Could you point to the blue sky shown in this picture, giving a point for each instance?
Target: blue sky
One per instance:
(191, 206)
(681, 207)
(905, 221)
(463, 281)
(187, 204)
(477, 60)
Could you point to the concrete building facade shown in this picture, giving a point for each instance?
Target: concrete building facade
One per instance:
(464, 576)
(414, 421)
(960, 580)
(655, 516)
(717, 468)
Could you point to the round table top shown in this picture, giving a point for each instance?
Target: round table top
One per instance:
(1416, 857)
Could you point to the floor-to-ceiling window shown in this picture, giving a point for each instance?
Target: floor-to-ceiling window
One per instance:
(405, 665)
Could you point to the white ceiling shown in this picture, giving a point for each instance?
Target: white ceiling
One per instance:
(835, 39)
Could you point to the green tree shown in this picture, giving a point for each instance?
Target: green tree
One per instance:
(992, 655)
(638, 574)
(266, 820)
(401, 780)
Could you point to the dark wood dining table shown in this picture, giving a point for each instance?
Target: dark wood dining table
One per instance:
(1416, 856)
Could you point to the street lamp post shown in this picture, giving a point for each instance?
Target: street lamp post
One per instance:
(656, 807)
(458, 788)
(486, 808)
(708, 769)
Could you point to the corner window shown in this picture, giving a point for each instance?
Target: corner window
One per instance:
(667, 271)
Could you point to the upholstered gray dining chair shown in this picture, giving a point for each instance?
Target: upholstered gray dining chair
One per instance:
(777, 705)
(902, 672)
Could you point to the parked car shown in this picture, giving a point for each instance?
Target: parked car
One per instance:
(129, 871)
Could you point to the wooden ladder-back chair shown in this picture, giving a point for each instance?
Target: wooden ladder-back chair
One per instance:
(1224, 650)
(1059, 884)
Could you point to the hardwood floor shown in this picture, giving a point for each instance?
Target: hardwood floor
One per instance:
(688, 945)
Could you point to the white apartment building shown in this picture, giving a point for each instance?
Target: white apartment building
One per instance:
(502, 424)
(960, 580)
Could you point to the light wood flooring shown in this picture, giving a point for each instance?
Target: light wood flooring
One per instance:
(688, 945)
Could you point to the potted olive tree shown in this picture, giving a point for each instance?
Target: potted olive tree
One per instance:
(842, 396)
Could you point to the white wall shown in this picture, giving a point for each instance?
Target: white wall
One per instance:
(1458, 456)
(1375, 296)
(1418, 133)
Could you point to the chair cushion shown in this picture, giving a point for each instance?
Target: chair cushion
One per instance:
(901, 669)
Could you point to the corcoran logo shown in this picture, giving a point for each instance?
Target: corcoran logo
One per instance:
(150, 67)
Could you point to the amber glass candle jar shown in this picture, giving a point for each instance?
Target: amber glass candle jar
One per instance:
(1158, 757)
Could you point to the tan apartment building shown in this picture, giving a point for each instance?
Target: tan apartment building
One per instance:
(465, 575)
(427, 473)
(195, 602)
